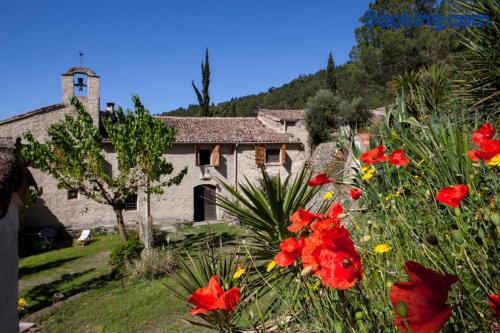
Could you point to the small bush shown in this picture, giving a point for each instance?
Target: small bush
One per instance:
(156, 264)
(124, 253)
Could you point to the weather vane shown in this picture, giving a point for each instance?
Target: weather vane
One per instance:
(81, 58)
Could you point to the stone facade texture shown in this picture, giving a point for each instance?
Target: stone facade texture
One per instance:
(237, 161)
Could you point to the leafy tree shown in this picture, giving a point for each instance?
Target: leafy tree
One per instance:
(203, 96)
(73, 155)
(330, 76)
(321, 111)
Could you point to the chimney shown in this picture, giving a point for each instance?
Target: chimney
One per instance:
(110, 107)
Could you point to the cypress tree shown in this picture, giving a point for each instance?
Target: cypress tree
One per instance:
(203, 96)
(330, 76)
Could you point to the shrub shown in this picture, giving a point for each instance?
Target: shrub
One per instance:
(124, 253)
(155, 265)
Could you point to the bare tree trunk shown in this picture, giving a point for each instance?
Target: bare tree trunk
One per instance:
(146, 227)
(121, 225)
(146, 234)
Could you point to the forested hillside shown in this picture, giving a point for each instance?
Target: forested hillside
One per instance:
(378, 56)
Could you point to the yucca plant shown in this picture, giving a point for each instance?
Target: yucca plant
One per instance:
(195, 272)
(266, 209)
(427, 91)
(481, 62)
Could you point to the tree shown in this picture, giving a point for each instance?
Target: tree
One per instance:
(203, 96)
(321, 110)
(330, 75)
(73, 155)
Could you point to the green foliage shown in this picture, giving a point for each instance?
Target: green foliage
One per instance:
(326, 112)
(427, 91)
(330, 76)
(195, 272)
(266, 209)
(204, 97)
(140, 141)
(155, 265)
(481, 61)
(125, 252)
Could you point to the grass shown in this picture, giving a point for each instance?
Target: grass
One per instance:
(104, 304)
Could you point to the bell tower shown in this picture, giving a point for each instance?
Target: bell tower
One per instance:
(83, 83)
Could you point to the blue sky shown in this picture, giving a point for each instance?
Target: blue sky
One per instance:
(154, 48)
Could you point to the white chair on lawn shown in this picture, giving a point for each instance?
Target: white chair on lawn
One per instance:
(84, 237)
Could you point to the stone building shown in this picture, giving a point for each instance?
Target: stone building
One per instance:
(15, 181)
(230, 149)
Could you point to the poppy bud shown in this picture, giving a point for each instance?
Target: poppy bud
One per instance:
(341, 216)
(431, 239)
(457, 235)
(458, 212)
(401, 309)
(495, 218)
(306, 271)
(359, 315)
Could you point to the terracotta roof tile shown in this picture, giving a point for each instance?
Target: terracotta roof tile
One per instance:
(284, 115)
(225, 130)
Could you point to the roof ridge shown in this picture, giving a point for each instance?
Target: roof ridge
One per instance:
(181, 117)
(28, 114)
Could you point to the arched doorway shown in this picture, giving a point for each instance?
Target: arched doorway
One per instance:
(204, 203)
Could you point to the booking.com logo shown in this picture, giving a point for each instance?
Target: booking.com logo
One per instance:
(436, 21)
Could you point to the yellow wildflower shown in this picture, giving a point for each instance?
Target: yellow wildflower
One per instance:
(388, 197)
(382, 248)
(239, 272)
(421, 161)
(327, 195)
(22, 305)
(495, 160)
(367, 176)
(315, 286)
(271, 265)
(364, 169)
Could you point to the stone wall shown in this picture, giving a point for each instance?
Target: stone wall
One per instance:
(9, 320)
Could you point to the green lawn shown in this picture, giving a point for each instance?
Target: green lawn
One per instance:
(105, 305)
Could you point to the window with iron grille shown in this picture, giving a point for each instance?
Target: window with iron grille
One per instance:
(131, 202)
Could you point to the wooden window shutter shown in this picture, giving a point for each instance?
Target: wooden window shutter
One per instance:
(260, 155)
(215, 155)
(197, 155)
(283, 154)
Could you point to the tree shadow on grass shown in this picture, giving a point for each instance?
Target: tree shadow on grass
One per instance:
(32, 269)
(42, 296)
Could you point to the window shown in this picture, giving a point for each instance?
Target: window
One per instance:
(72, 194)
(131, 202)
(272, 156)
(204, 156)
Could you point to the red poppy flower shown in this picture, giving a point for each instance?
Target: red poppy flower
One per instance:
(488, 150)
(332, 257)
(398, 158)
(424, 296)
(320, 179)
(301, 218)
(374, 156)
(335, 210)
(494, 304)
(486, 131)
(355, 193)
(290, 250)
(213, 298)
(452, 195)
